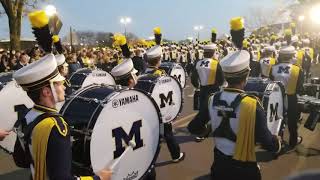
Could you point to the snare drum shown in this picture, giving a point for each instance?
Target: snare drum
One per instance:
(14, 103)
(175, 70)
(84, 77)
(103, 120)
(272, 95)
(167, 93)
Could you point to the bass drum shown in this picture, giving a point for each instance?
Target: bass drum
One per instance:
(103, 120)
(167, 93)
(272, 96)
(14, 103)
(84, 77)
(175, 70)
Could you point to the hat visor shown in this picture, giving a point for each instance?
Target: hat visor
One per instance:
(58, 78)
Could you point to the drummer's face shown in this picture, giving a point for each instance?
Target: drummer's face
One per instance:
(60, 88)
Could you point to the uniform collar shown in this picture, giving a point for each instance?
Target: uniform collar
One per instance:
(233, 90)
(43, 108)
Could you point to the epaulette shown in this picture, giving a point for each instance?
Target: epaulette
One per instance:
(256, 98)
(61, 125)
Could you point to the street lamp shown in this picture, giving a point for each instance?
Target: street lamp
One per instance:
(198, 29)
(50, 10)
(125, 21)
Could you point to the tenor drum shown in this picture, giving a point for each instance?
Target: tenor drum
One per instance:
(272, 95)
(103, 120)
(167, 93)
(312, 90)
(175, 70)
(14, 103)
(84, 77)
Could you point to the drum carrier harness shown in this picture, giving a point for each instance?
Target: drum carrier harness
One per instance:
(226, 111)
(24, 132)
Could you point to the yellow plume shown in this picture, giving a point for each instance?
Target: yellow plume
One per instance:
(274, 37)
(55, 38)
(237, 23)
(287, 32)
(38, 19)
(245, 43)
(214, 30)
(119, 39)
(157, 30)
(293, 25)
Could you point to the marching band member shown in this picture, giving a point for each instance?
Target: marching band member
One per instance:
(292, 78)
(207, 75)
(238, 120)
(267, 61)
(305, 57)
(154, 59)
(173, 53)
(124, 73)
(45, 144)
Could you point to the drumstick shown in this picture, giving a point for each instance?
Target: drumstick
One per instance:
(132, 144)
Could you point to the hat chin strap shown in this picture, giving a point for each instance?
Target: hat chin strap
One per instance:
(54, 92)
(135, 78)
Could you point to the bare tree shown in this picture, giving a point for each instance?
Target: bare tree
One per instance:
(15, 9)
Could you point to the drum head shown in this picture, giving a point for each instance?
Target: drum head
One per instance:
(98, 77)
(13, 101)
(128, 115)
(274, 108)
(175, 70)
(167, 93)
(179, 73)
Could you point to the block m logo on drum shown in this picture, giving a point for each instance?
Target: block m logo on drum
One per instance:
(166, 99)
(120, 135)
(274, 112)
(177, 77)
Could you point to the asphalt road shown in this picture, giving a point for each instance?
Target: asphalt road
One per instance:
(199, 156)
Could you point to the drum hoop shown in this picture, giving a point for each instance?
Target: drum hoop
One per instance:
(76, 94)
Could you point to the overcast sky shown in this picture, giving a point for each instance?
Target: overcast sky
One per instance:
(176, 17)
